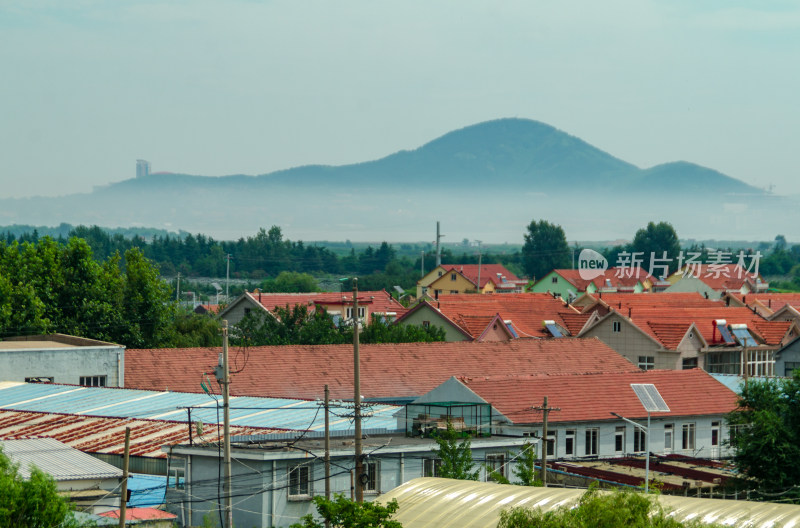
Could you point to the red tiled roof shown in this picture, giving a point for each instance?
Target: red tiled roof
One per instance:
(488, 272)
(93, 434)
(379, 301)
(773, 301)
(526, 311)
(720, 277)
(624, 278)
(666, 324)
(595, 396)
(621, 302)
(387, 370)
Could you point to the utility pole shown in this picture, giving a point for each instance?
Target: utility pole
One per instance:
(178, 289)
(422, 265)
(545, 410)
(226, 432)
(479, 265)
(357, 396)
(227, 277)
(438, 246)
(123, 498)
(327, 451)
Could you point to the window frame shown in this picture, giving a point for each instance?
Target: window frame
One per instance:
(592, 437)
(430, 467)
(647, 362)
(688, 436)
(569, 442)
(639, 440)
(93, 381)
(669, 437)
(297, 490)
(372, 469)
(495, 462)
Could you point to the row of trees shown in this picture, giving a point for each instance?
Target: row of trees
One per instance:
(297, 326)
(48, 287)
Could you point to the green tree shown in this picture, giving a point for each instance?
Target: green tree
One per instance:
(345, 513)
(290, 282)
(766, 441)
(654, 241)
(33, 502)
(456, 456)
(525, 469)
(545, 249)
(381, 331)
(598, 510)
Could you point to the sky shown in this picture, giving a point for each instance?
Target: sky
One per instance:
(248, 87)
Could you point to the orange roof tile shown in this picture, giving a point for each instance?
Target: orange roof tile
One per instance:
(488, 272)
(595, 396)
(666, 323)
(619, 278)
(526, 311)
(720, 277)
(379, 301)
(387, 370)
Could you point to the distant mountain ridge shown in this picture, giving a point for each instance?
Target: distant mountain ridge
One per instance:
(514, 152)
(488, 180)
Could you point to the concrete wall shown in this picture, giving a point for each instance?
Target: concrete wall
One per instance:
(65, 364)
(631, 343)
(435, 319)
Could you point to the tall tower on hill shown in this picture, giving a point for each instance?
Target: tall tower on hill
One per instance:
(142, 168)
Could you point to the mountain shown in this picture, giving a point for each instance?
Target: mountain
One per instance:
(489, 180)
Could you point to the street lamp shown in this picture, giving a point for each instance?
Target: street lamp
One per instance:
(647, 446)
(652, 401)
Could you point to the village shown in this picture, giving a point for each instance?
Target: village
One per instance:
(621, 379)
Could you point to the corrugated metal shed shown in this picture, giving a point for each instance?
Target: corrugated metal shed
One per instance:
(442, 503)
(92, 434)
(274, 413)
(57, 459)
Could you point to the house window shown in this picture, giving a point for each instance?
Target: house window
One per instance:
(454, 292)
(688, 437)
(789, 367)
(440, 273)
(551, 443)
(300, 482)
(569, 443)
(361, 312)
(592, 435)
(40, 379)
(647, 362)
(619, 440)
(372, 482)
(246, 312)
(426, 324)
(616, 327)
(430, 467)
(453, 276)
(668, 430)
(554, 280)
(93, 381)
(714, 434)
(639, 440)
(495, 465)
(177, 476)
(723, 362)
(689, 363)
(759, 362)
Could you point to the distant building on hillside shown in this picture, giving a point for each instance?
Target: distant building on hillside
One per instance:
(142, 168)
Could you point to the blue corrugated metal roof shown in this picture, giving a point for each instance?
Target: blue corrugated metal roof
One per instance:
(274, 413)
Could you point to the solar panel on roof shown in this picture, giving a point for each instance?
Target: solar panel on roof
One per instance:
(724, 332)
(743, 335)
(650, 398)
(552, 328)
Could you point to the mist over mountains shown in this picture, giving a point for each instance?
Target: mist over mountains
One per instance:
(485, 181)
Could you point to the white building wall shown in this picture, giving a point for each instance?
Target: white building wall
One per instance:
(64, 365)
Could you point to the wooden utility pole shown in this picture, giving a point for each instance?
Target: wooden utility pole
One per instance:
(226, 419)
(545, 410)
(123, 499)
(357, 396)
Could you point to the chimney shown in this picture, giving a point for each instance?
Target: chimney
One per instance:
(630, 310)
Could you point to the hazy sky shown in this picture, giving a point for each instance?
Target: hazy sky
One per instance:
(219, 88)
